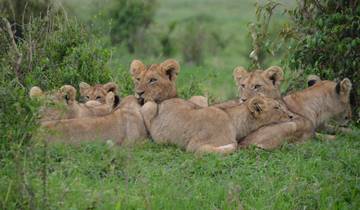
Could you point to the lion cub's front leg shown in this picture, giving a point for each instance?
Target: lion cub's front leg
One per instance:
(148, 112)
(273, 136)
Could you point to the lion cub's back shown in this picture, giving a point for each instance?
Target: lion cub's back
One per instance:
(178, 121)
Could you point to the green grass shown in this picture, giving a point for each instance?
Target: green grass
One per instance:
(314, 175)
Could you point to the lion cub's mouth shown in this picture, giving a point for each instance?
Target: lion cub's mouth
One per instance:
(141, 101)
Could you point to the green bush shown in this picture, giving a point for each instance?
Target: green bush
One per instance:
(327, 35)
(193, 40)
(18, 123)
(167, 45)
(263, 36)
(52, 51)
(65, 54)
(130, 17)
(19, 12)
(322, 38)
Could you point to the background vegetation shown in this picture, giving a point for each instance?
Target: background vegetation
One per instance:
(51, 43)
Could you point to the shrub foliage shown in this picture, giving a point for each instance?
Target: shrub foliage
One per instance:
(130, 17)
(327, 35)
(52, 51)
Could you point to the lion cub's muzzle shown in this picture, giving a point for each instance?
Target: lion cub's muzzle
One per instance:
(140, 97)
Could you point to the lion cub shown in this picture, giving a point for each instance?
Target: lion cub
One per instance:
(62, 104)
(98, 92)
(124, 125)
(204, 130)
(249, 84)
(266, 82)
(314, 105)
(196, 128)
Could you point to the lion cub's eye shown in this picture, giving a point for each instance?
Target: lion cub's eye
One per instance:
(152, 80)
(138, 79)
(257, 86)
(98, 97)
(87, 97)
(276, 107)
(242, 85)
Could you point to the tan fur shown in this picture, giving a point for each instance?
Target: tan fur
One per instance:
(155, 82)
(190, 126)
(199, 100)
(266, 82)
(202, 130)
(123, 126)
(226, 104)
(61, 104)
(339, 121)
(321, 102)
(314, 106)
(97, 92)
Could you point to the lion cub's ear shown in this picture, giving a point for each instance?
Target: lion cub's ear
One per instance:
(275, 74)
(239, 73)
(110, 99)
(312, 80)
(171, 68)
(136, 67)
(256, 105)
(111, 87)
(343, 88)
(36, 92)
(83, 88)
(69, 92)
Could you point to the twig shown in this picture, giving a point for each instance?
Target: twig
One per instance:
(17, 52)
(23, 17)
(319, 6)
(30, 49)
(44, 176)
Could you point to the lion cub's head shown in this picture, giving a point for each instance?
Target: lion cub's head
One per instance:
(267, 110)
(97, 92)
(266, 82)
(155, 82)
(66, 94)
(341, 102)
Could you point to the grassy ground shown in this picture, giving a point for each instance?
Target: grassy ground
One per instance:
(315, 175)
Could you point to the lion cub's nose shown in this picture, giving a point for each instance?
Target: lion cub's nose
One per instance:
(242, 100)
(140, 93)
